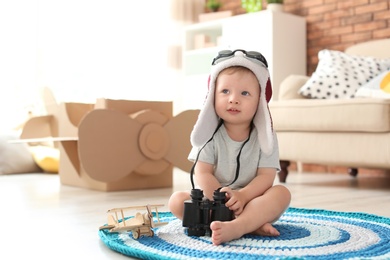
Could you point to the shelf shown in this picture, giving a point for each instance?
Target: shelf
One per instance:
(198, 61)
(280, 37)
(203, 51)
(197, 38)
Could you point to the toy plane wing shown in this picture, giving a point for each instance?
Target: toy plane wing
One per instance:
(154, 206)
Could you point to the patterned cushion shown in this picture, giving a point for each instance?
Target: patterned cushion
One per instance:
(339, 75)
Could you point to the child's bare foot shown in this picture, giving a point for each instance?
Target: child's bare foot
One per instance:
(224, 232)
(267, 230)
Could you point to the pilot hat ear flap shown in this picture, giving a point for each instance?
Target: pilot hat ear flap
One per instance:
(208, 119)
(263, 121)
(268, 90)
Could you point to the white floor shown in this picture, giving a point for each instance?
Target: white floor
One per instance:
(43, 219)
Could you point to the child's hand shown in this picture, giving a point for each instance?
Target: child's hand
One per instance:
(235, 201)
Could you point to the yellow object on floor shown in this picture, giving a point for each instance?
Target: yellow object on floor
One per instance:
(46, 157)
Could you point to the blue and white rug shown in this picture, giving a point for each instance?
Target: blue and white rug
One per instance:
(304, 234)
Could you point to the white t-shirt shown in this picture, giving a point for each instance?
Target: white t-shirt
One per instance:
(222, 152)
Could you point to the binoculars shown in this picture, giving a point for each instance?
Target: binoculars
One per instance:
(200, 212)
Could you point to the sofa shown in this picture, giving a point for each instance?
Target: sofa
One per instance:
(340, 115)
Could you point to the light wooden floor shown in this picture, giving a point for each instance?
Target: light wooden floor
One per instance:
(43, 219)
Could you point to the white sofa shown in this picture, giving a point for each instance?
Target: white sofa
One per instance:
(352, 132)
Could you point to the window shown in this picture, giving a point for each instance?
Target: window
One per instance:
(83, 50)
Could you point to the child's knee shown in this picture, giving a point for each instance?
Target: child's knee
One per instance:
(176, 203)
(173, 201)
(283, 192)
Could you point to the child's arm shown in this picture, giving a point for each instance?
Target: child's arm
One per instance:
(204, 176)
(257, 187)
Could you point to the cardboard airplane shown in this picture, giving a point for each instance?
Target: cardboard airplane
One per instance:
(115, 144)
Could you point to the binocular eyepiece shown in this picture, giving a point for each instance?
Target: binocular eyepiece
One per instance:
(200, 212)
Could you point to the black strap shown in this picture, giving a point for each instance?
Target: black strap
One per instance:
(197, 156)
(237, 159)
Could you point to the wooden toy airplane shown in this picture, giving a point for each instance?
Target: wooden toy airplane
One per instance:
(140, 224)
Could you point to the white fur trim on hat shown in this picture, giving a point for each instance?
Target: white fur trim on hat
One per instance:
(208, 120)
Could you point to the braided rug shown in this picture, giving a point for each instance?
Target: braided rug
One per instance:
(304, 234)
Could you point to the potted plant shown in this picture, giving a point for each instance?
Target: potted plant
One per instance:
(251, 6)
(213, 5)
(275, 5)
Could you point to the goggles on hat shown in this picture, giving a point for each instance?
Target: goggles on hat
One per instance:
(226, 54)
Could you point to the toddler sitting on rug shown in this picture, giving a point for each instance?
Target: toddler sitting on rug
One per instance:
(235, 147)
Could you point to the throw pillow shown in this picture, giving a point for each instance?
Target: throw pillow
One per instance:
(339, 75)
(379, 87)
(15, 157)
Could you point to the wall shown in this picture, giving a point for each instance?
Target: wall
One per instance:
(334, 24)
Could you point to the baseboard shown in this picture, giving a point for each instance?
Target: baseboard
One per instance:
(309, 167)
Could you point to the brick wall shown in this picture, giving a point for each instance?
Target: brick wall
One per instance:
(334, 24)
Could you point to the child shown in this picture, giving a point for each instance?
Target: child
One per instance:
(235, 147)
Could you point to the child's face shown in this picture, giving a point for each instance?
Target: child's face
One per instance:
(237, 94)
